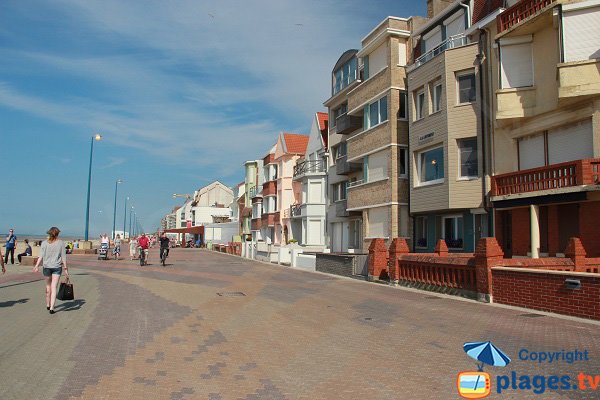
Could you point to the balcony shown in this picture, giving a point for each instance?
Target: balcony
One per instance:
(450, 43)
(295, 210)
(309, 167)
(345, 124)
(516, 102)
(579, 78)
(552, 177)
(520, 12)
(341, 209)
(343, 167)
(254, 190)
(269, 188)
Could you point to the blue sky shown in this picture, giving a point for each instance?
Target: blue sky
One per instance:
(182, 91)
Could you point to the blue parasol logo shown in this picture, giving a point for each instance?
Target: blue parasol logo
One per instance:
(486, 353)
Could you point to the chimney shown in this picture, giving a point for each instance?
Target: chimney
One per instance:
(434, 7)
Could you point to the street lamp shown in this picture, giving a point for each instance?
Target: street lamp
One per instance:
(130, 218)
(125, 217)
(115, 209)
(97, 137)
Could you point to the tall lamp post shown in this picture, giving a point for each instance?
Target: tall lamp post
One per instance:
(97, 137)
(130, 219)
(114, 235)
(125, 217)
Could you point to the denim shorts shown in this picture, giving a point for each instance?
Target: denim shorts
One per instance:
(48, 272)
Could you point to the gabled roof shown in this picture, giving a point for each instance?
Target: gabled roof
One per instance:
(295, 143)
(323, 119)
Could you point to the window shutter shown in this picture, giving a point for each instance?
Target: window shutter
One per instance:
(531, 152)
(517, 65)
(366, 67)
(572, 142)
(581, 32)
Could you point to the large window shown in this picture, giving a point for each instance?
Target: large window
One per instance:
(421, 231)
(436, 97)
(467, 156)
(453, 232)
(431, 165)
(345, 75)
(376, 113)
(466, 87)
(419, 104)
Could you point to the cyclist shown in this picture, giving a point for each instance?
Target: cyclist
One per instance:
(164, 246)
(143, 244)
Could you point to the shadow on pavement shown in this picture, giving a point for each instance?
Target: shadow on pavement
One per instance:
(11, 303)
(22, 283)
(71, 305)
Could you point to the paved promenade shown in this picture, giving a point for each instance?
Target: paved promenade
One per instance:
(273, 333)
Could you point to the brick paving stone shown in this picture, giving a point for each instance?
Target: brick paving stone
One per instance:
(164, 333)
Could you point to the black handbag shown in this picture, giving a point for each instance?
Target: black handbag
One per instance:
(65, 291)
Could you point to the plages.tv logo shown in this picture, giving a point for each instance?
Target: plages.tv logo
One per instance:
(478, 384)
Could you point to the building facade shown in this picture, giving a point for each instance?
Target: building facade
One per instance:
(308, 216)
(546, 144)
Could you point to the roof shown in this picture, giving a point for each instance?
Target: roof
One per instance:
(323, 119)
(295, 143)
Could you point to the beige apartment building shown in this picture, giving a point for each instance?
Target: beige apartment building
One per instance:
(447, 185)
(378, 143)
(546, 65)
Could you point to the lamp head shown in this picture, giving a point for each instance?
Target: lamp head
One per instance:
(119, 180)
(97, 137)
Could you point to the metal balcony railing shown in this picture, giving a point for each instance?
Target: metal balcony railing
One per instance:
(450, 43)
(356, 183)
(296, 210)
(308, 166)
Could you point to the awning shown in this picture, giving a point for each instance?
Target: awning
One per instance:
(193, 230)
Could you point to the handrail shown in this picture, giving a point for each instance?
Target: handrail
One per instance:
(450, 43)
(309, 166)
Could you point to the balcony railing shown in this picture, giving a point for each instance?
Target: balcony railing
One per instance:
(347, 124)
(520, 11)
(343, 167)
(556, 176)
(253, 191)
(450, 43)
(356, 183)
(296, 210)
(308, 166)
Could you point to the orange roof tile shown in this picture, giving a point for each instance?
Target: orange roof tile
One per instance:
(295, 143)
(323, 120)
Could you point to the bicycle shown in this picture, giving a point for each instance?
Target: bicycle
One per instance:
(164, 253)
(142, 256)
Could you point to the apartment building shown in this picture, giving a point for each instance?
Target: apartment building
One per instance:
(344, 227)
(251, 185)
(546, 145)
(290, 148)
(448, 187)
(264, 200)
(308, 215)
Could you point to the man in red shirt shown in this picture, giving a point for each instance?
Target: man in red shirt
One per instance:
(144, 243)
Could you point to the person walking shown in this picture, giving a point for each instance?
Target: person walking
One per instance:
(2, 262)
(27, 251)
(133, 248)
(11, 244)
(117, 248)
(53, 257)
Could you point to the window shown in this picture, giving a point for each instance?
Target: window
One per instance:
(432, 39)
(375, 113)
(376, 166)
(466, 88)
(341, 110)
(581, 32)
(420, 105)
(378, 222)
(339, 151)
(431, 165)
(467, 155)
(403, 110)
(453, 232)
(516, 62)
(339, 191)
(421, 231)
(403, 162)
(345, 75)
(436, 97)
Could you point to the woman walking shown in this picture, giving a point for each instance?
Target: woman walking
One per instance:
(133, 247)
(117, 249)
(53, 257)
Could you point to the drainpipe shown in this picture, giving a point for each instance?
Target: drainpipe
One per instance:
(468, 10)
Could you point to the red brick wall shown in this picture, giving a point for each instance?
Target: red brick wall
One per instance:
(521, 232)
(589, 227)
(483, 8)
(545, 291)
